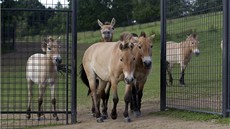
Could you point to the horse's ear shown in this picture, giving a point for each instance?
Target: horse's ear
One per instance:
(44, 45)
(121, 46)
(131, 45)
(143, 34)
(195, 36)
(99, 23)
(50, 39)
(113, 21)
(152, 36)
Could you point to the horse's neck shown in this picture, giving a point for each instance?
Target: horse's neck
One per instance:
(106, 40)
(185, 50)
(50, 65)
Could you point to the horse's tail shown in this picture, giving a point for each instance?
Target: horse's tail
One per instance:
(84, 78)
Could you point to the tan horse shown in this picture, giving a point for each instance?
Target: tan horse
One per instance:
(181, 53)
(107, 30)
(143, 68)
(41, 69)
(107, 62)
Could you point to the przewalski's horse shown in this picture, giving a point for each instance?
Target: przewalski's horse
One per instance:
(107, 30)
(143, 47)
(181, 53)
(41, 69)
(108, 62)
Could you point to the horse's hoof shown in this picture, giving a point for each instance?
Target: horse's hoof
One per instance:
(182, 85)
(100, 120)
(114, 116)
(127, 120)
(93, 114)
(38, 118)
(28, 116)
(104, 117)
(137, 113)
(57, 119)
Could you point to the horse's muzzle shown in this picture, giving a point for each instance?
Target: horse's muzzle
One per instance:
(196, 52)
(129, 80)
(58, 60)
(147, 64)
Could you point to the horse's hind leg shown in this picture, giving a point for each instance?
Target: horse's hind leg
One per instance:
(30, 83)
(53, 101)
(182, 76)
(169, 70)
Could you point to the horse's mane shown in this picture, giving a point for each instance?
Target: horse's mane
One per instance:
(107, 23)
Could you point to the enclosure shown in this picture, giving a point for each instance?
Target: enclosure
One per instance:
(206, 76)
(25, 25)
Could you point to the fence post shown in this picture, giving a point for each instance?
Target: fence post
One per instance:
(163, 57)
(74, 63)
(225, 68)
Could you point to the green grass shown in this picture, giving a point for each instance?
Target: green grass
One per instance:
(192, 116)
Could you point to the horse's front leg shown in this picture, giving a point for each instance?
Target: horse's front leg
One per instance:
(115, 100)
(127, 98)
(53, 100)
(139, 96)
(30, 83)
(42, 89)
(105, 98)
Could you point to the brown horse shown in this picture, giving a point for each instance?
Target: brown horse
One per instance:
(107, 30)
(181, 53)
(42, 69)
(143, 67)
(107, 62)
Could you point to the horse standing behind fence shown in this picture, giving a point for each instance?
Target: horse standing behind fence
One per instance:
(107, 30)
(142, 70)
(108, 62)
(41, 69)
(181, 53)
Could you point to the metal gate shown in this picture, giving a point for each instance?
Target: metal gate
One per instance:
(189, 82)
(30, 27)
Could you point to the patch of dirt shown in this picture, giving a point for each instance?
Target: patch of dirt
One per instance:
(146, 121)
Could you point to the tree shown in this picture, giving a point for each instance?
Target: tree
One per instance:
(201, 6)
(146, 10)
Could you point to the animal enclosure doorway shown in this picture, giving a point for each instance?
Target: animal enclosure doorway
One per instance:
(190, 82)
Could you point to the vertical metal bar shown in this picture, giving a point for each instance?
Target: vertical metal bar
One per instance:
(163, 57)
(67, 66)
(225, 68)
(74, 63)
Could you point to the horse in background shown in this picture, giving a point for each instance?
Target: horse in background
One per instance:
(106, 36)
(107, 30)
(42, 69)
(181, 53)
(108, 62)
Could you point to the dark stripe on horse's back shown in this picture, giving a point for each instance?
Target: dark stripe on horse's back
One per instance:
(84, 78)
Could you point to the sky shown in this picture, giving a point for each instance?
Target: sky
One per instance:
(52, 3)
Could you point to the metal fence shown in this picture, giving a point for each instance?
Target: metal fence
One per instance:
(189, 82)
(29, 27)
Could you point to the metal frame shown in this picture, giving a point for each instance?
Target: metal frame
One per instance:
(226, 59)
(163, 57)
